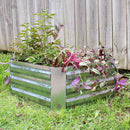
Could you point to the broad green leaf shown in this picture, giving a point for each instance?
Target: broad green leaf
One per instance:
(95, 71)
(88, 62)
(30, 59)
(102, 84)
(83, 64)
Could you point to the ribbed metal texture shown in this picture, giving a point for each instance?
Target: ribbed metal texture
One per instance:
(73, 95)
(52, 87)
(31, 81)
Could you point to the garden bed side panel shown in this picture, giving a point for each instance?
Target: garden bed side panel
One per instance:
(31, 81)
(52, 87)
(75, 97)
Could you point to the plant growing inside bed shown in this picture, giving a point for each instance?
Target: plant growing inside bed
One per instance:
(82, 72)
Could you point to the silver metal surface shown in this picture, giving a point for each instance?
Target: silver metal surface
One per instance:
(41, 80)
(30, 94)
(46, 68)
(31, 82)
(16, 71)
(58, 88)
(87, 96)
(51, 84)
(30, 69)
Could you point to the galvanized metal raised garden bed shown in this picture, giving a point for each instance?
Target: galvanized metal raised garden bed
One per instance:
(50, 86)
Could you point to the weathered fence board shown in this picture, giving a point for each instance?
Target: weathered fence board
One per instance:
(69, 24)
(119, 32)
(30, 11)
(22, 12)
(128, 30)
(38, 5)
(15, 22)
(3, 30)
(105, 23)
(56, 6)
(8, 22)
(80, 23)
(92, 23)
(86, 23)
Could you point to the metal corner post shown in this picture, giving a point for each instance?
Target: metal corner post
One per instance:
(58, 88)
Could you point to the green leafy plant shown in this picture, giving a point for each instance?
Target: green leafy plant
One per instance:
(33, 44)
(39, 44)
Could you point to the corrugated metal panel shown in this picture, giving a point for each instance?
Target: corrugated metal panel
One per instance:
(73, 95)
(52, 86)
(27, 79)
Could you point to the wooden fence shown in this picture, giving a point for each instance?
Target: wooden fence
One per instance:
(86, 23)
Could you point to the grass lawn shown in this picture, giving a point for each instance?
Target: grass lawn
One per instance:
(20, 114)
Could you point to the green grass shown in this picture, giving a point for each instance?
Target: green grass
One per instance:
(21, 114)
(4, 69)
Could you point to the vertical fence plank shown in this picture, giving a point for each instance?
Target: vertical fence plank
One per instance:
(3, 42)
(119, 32)
(105, 23)
(69, 22)
(128, 30)
(15, 21)
(46, 5)
(92, 23)
(1, 46)
(80, 23)
(56, 6)
(30, 11)
(22, 12)
(8, 22)
(38, 5)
